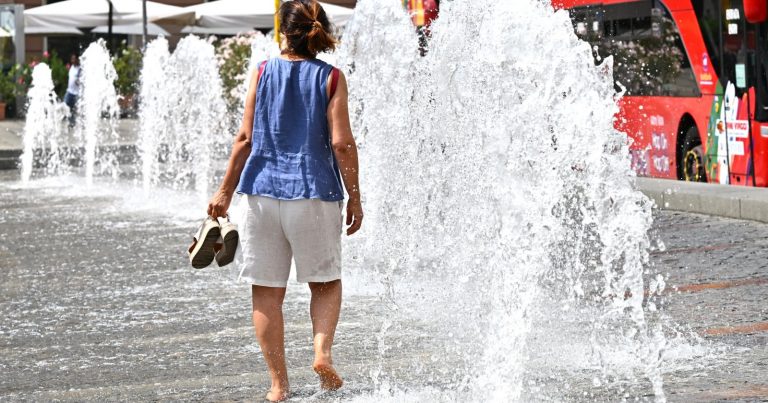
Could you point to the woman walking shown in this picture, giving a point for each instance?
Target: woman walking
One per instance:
(292, 152)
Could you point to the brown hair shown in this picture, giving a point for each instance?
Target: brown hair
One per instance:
(306, 28)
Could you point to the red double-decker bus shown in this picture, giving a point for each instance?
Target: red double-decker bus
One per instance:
(695, 76)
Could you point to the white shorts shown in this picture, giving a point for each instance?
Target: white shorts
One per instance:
(274, 231)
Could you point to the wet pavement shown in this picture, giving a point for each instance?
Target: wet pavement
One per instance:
(98, 304)
(717, 276)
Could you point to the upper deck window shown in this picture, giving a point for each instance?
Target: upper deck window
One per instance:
(649, 56)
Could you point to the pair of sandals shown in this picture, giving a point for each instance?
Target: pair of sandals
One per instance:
(214, 241)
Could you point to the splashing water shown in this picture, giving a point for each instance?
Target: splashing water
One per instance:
(153, 122)
(501, 222)
(43, 127)
(502, 219)
(198, 117)
(262, 48)
(184, 121)
(98, 110)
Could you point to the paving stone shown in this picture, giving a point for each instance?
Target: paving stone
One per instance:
(99, 305)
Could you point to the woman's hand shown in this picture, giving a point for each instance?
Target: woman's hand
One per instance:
(219, 204)
(354, 215)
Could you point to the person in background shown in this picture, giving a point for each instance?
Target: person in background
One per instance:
(73, 87)
(292, 153)
(422, 12)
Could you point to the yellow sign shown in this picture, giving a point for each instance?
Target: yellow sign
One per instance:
(277, 22)
(417, 12)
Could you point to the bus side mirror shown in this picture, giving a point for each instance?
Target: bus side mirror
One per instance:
(756, 11)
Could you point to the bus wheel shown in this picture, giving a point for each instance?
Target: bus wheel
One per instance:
(693, 159)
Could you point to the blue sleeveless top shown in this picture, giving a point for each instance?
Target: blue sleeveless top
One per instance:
(291, 156)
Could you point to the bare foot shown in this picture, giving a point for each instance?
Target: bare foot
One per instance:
(277, 395)
(329, 379)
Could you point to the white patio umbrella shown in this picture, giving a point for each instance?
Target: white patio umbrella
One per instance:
(52, 30)
(92, 13)
(247, 14)
(191, 29)
(133, 29)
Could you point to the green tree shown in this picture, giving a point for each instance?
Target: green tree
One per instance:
(127, 64)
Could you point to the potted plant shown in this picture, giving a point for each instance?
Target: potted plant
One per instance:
(59, 72)
(233, 55)
(128, 68)
(7, 91)
(20, 78)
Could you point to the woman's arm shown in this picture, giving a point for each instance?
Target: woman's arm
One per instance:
(241, 149)
(345, 150)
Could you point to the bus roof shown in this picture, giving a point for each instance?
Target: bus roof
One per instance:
(671, 4)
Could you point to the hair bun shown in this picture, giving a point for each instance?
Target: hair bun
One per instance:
(306, 28)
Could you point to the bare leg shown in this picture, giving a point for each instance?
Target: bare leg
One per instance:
(268, 324)
(324, 310)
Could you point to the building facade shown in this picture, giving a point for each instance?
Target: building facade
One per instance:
(35, 45)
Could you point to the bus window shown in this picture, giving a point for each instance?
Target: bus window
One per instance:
(708, 14)
(736, 48)
(587, 22)
(649, 56)
(733, 45)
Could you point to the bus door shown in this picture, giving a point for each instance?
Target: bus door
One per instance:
(731, 142)
(757, 80)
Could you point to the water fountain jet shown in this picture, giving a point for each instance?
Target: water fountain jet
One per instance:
(183, 116)
(153, 120)
(489, 165)
(44, 125)
(97, 110)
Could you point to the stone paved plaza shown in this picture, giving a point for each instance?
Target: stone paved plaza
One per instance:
(88, 314)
